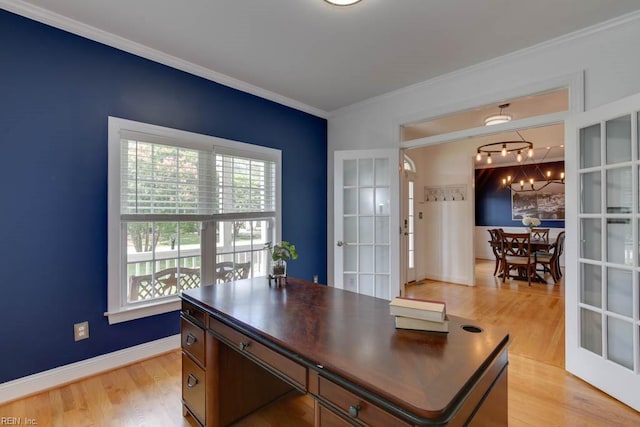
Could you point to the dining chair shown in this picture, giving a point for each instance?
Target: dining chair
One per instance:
(551, 261)
(516, 253)
(496, 246)
(540, 234)
(169, 281)
(228, 271)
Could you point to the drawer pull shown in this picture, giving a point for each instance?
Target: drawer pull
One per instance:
(354, 410)
(192, 381)
(244, 345)
(191, 339)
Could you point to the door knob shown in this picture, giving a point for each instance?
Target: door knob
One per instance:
(340, 243)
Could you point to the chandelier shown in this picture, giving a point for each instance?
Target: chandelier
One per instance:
(530, 184)
(504, 148)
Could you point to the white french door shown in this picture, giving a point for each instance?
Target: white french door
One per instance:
(366, 222)
(603, 238)
(409, 241)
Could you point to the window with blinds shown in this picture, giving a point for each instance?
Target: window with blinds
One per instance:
(184, 209)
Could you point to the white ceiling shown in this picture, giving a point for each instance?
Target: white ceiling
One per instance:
(322, 57)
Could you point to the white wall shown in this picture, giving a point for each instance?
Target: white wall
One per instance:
(444, 236)
(607, 55)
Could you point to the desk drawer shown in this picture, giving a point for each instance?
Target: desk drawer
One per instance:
(192, 340)
(193, 388)
(355, 407)
(287, 368)
(193, 313)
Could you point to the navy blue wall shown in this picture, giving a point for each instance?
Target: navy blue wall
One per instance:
(493, 201)
(56, 91)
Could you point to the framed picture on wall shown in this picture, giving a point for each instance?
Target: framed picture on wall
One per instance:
(546, 204)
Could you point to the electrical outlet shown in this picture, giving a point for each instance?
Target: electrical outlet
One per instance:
(81, 331)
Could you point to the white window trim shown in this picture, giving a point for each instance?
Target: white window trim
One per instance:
(117, 308)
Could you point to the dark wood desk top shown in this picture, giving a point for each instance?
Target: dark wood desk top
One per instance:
(353, 336)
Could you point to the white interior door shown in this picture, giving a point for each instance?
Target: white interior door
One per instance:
(366, 222)
(602, 264)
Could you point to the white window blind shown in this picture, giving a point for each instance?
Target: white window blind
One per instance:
(161, 179)
(245, 185)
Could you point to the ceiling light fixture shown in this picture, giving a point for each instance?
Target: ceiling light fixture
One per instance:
(342, 2)
(524, 182)
(504, 148)
(496, 119)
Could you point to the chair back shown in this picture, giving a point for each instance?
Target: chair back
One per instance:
(559, 246)
(496, 241)
(516, 245)
(228, 271)
(166, 282)
(540, 234)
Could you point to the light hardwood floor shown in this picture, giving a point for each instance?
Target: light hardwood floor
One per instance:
(541, 392)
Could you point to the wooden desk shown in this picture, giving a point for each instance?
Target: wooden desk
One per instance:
(342, 348)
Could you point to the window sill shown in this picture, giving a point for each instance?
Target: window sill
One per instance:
(139, 311)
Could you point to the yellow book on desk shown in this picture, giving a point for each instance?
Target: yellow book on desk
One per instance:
(434, 311)
(422, 325)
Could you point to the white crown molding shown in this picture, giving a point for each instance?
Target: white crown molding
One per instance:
(585, 32)
(67, 24)
(42, 381)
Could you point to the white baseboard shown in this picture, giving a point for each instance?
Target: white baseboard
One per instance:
(41, 381)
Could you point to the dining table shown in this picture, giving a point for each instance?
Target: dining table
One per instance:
(535, 245)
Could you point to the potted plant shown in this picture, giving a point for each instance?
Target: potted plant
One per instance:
(531, 222)
(280, 254)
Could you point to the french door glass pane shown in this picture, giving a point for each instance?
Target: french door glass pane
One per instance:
(591, 232)
(366, 229)
(365, 259)
(382, 259)
(619, 291)
(350, 258)
(382, 172)
(382, 286)
(591, 285)
(590, 192)
(619, 140)
(365, 201)
(590, 146)
(349, 282)
(350, 201)
(365, 172)
(620, 342)
(350, 173)
(591, 331)
(366, 284)
(619, 241)
(619, 195)
(382, 201)
(350, 224)
(382, 229)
